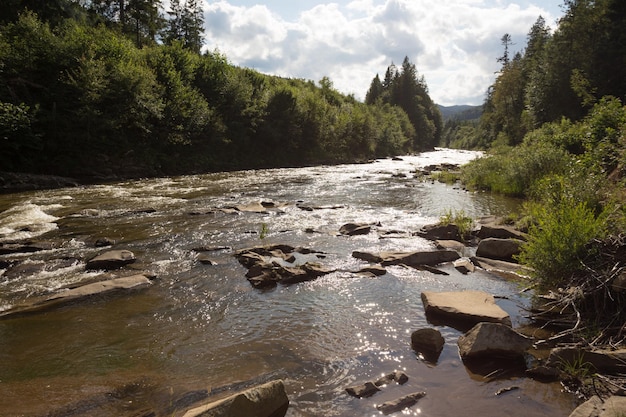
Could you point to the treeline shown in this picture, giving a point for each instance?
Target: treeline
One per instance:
(109, 88)
(555, 125)
(558, 75)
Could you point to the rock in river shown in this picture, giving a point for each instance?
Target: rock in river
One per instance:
(464, 306)
(503, 249)
(429, 342)
(267, 400)
(414, 259)
(112, 259)
(492, 339)
(63, 297)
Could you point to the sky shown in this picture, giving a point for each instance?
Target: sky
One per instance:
(454, 44)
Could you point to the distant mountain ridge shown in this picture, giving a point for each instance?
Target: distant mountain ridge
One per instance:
(460, 112)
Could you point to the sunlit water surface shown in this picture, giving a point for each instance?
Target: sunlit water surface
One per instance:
(204, 327)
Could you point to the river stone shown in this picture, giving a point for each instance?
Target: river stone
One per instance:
(370, 388)
(28, 247)
(502, 268)
(414, 259)
(400, 404)
(606, 361)
(427, 340)
(464, 265)
(372, 271)
(363, 391)
(499, 232)
(469, 306)
(450, 245)
(267, 400)
(398, 376)
(63, 297)
(502, 249)
(492, 339)
(112, 259)
(613, 406)
(353, 229)
(440, 232)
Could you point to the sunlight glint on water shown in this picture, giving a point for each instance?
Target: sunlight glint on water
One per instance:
(205, 326)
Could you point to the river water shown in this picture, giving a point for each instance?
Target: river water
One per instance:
(205, 327)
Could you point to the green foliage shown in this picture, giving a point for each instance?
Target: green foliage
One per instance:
(514, 172)
(577, 367)
(16, 136)
(464, 223)
(264, 231)
(558, 238)
(558, 75)
(406, 89)
(105, 106)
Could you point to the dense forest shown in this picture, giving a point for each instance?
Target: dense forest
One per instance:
(104, 89)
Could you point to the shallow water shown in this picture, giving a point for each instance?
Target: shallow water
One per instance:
(205, 327)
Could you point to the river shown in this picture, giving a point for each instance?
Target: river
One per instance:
(204, 326)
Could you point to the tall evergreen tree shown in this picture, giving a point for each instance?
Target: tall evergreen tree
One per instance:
(406, 89)
(186, 24)
(375, 91)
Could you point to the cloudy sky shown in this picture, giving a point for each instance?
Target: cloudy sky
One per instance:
(453, 43)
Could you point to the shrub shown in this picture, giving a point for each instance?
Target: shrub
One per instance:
(558, 239)
(463, 222)
(513, 171)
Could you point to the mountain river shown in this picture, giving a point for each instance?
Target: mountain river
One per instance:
(204, 327)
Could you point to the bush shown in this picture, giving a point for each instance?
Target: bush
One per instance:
(558, 239)
(463, 222)
(513, 171)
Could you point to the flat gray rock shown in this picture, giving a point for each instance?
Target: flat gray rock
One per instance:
(112, 259)
(267, 400)
(63, 297)
(469, 306)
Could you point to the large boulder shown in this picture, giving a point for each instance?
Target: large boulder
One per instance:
(595, 407)
(113, 259)
(267, 400)
(492, 340)
(503, 249)
(469, 307)
(80, 293)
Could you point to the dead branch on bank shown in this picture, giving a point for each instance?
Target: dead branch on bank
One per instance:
(591, 308)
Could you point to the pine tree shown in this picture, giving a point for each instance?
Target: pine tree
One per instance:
(375, 91)
(185, 24)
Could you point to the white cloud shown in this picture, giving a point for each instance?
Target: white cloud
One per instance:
(454, 43)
